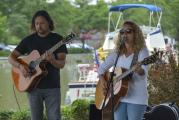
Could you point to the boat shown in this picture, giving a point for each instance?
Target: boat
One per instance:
(152, 31)
(85, 86)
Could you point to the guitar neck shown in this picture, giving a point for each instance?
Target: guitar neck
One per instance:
(146, 61)
(51, 50)
(55, 47)
(123, 75)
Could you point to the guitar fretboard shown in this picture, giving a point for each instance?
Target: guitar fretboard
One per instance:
(55, 47)
(120, 77)
(51, 50)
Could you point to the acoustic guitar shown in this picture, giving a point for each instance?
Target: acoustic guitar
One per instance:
(107, 110)
(120, 86)
(37, 70)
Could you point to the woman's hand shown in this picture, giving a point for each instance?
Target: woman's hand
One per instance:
(139, 69)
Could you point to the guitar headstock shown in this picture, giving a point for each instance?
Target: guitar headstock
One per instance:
(69, 37)
(151, 59)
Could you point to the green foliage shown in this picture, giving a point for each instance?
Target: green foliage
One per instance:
(13, 40)
(91, 17)
(78, 50)
(11, 115)
(63, 16)
(3, 28)
(18, 30)
(4, 53)
(5, 115)
(16, 15)
(66, 113)
(23, 115)
(163, 82)
(80, 110)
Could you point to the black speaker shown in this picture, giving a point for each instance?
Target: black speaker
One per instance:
(164, 111)
(94, 113)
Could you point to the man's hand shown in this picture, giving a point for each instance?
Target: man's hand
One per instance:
(49, 57)
(25, 70)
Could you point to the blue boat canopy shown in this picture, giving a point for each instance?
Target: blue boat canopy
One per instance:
(123, 7)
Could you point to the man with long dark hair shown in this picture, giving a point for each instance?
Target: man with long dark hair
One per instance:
(47, 91)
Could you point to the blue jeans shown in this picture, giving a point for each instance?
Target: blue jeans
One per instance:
(128, 111)
(48, 97)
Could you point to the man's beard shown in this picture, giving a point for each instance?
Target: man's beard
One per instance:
(41, 32)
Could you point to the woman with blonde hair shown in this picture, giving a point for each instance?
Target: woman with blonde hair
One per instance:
(131, 48)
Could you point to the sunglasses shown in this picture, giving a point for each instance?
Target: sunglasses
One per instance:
(128, 31)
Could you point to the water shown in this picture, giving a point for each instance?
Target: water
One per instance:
(7, 96)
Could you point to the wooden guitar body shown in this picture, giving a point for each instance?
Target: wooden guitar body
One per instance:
(120, 89)
(34, 61)
(107, 110)
(27, 83)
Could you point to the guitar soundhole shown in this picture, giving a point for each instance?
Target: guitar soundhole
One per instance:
(32, 72)
(32, 65)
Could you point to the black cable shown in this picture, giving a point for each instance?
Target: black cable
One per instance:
(110, 85)
(16, 99)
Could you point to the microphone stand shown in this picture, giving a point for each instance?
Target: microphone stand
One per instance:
(110, 85)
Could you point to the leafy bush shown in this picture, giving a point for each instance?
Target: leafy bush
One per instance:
(66, 113)
(80, 109)
(5, 115)
(163, 82)
(21, 115)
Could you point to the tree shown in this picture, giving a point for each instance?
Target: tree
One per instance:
(70, 17)
(3, 28)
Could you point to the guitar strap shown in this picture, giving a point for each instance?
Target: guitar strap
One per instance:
(134, 60)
